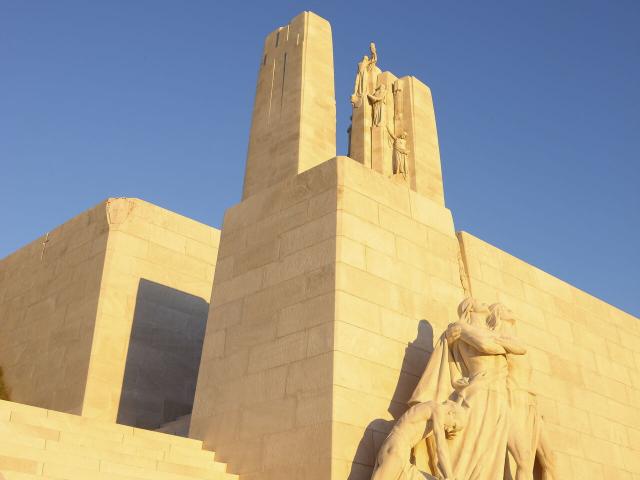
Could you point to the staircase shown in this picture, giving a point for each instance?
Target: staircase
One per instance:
(43, 444)
(179, 426)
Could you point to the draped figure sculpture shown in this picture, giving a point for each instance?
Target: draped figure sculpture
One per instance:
(377, 99)
(470, 349)
(400, 153)
(366, 67)
(527, 437)
(360, 82)
(374, 56)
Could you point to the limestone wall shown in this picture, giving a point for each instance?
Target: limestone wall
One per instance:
(151, 315)
(397, 288)
(263, 398)
(115, 300)
(48, 300)
(586, 359)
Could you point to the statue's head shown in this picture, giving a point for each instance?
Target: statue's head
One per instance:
(403, 135)
(454, 418)
(470, 310)
(372, 47)
(500, 313)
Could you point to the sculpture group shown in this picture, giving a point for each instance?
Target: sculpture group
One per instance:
(377, 107)
(472, 406)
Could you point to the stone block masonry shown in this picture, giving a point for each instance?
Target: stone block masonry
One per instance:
(97, 314)
(327, 290)
(264, 385)
(49, 292)
(294, 115)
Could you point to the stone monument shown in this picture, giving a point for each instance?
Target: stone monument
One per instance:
(323, 276)
(337, 275)
(345, 335)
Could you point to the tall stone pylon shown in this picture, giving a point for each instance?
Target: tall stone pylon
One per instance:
(294, 114)
(331, 280)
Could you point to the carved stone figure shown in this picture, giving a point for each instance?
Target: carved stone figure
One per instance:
(378, 99)
(400, 153)
(527, 437)
(468, 349)
(360, 84)
(365, 67)
(374, 56)
(421, 421)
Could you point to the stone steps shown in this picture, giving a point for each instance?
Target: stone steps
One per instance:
(22, 476)
(42, 444)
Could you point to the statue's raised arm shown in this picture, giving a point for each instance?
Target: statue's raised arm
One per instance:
(477, 337)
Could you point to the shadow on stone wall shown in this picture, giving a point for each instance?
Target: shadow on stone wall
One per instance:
(414, 362)
(4, 391)
(163, 357)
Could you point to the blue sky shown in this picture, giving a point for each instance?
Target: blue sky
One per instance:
(537, 106)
